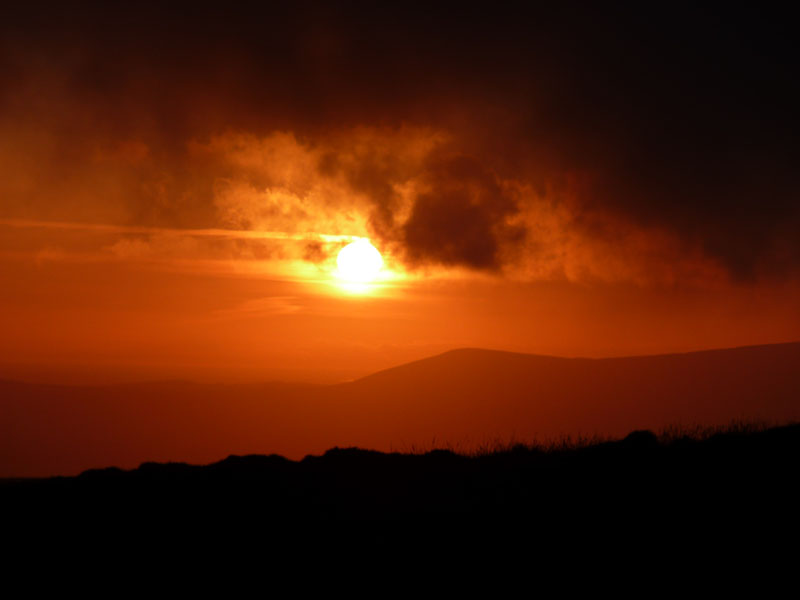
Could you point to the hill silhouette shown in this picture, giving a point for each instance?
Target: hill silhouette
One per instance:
(737, 483)
(463, 398)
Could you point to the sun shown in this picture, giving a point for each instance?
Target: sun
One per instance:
(359, 262)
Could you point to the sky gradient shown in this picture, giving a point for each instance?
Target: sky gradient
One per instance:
(575, 180)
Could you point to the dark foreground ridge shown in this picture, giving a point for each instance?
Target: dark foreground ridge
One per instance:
(739, 479)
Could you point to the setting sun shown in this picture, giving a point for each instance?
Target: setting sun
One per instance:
(359, 262)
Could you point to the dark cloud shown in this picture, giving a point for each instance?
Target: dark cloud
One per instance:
(676, 116)
(461, 218)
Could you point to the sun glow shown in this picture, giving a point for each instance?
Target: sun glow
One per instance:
(359, 262)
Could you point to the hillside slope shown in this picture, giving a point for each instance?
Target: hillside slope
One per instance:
(462, 398)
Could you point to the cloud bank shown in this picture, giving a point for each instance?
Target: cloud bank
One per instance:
(653, 145)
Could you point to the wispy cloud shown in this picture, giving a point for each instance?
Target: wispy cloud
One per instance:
(238, 234)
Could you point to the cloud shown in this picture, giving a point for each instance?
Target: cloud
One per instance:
(655, 143)
(429, 206)
(408, 189)
(460, 218)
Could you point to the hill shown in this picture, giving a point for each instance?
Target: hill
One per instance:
(463, 398)
(736, 483)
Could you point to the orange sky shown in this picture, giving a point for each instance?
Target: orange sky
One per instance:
(231, 276)
(176, 187)
(73, 310)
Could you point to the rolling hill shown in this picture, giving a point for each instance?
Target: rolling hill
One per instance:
(461, 399)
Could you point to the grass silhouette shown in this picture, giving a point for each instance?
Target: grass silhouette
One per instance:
(685, 493)
(749, 462)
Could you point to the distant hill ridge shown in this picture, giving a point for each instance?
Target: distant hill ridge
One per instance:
(484, 354)
(461, 399)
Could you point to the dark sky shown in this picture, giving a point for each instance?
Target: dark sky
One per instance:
(674, 116)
